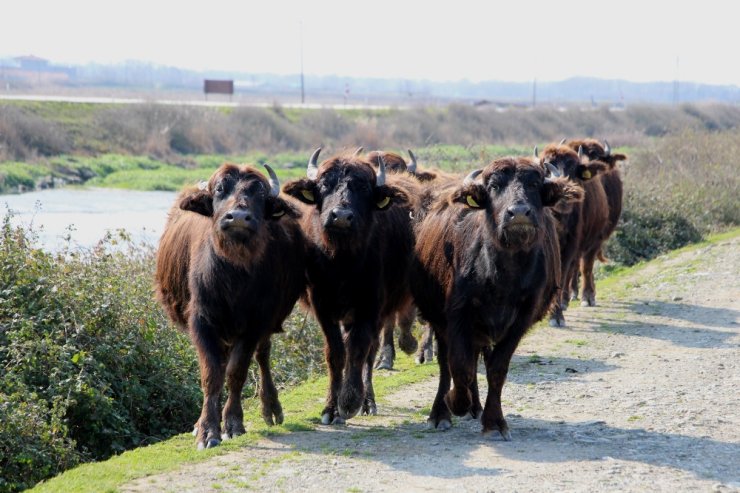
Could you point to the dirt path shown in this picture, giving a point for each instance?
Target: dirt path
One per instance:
(641, 393)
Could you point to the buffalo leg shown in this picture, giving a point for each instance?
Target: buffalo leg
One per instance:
(406, 340)
(212, 360)
(462, 358)
(387, 348)
(359, 340)
(440, 417)
(334, 354)
(497, 361)
(588, 294)
(369, 406)
(426, 348)
(272, 411)
(236, 374)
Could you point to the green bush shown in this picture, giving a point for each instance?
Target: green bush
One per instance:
(646, 232)
(33, 441)
(84, 342)
(91, 366)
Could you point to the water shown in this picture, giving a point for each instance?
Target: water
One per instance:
(87, 214)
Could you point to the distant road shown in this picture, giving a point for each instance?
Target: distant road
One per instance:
(193, 102)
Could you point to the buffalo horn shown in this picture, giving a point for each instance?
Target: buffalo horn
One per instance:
(411, 168)
(274, 182)
(536, 153)
(471, 177)
(380, 178)
(313, 167)
(554, 172)
(358, 151)
(562, 142)
(607, 149)
(580, 152)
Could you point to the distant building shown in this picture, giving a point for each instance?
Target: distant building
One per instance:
(30, 62)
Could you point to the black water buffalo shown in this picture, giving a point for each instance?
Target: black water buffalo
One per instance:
(231, 265)
(487, 267)
(573, 218)
(358, 221)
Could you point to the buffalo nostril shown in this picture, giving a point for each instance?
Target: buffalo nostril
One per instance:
(519, 210)
(229, 216)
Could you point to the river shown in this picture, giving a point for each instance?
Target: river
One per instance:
(87, 214)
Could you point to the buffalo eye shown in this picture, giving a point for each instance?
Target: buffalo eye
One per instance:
(472, 202)
(308, 195)
(383, 203)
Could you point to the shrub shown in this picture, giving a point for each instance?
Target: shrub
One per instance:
(84, 343)
(91, 366)
(646, 232)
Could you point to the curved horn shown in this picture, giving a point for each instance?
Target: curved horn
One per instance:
(471, 177)
(607, 149)
(562, 142)
(274, 182)
(554, 172)
(580, 152)
(411, 168)
(358, 151)
(313, 167)
(380, 177)
(536, 154)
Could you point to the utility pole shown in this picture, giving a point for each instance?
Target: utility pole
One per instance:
(303, 91)
(675, 85)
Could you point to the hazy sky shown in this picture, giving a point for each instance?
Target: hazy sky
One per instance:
(638, 40)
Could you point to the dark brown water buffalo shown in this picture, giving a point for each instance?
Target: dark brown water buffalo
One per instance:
(573, 217)
(358, 221)
(487, 267)
(599, 230)
(432, 182)
(231, 265)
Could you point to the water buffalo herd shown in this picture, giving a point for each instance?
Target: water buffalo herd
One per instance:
(371, 241)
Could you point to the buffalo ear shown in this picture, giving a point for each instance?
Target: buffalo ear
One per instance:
(198, 201)
(473, 196)
(386, 195)
(589, 170)
(275, 208)
(561, 190)
(304, 190)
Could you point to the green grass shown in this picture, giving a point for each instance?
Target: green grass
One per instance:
(302, 406)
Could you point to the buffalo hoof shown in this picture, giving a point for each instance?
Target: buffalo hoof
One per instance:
(273, 415)
(588, 302)
(505, 434)
(369, 408)
(326, 418)
(443, 425)
(407, 342)
(425, 356)
(502, 427)
(385, 358)
(338, 421)
(557, 322)
(213, 442)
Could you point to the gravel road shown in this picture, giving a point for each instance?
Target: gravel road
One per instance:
(640, 393)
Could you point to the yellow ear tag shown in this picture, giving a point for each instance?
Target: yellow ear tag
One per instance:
(384, 203)
(308, 195)
(471, 201)
(586, 174)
